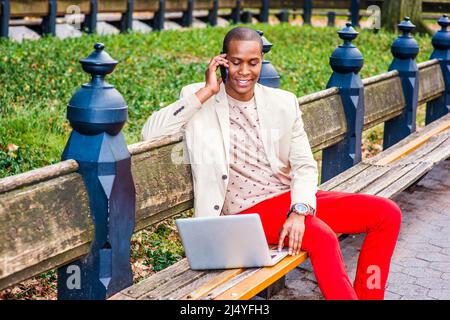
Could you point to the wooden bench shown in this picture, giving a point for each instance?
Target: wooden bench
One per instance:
(46, 223)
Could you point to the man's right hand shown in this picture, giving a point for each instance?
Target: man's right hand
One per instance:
(213, 82)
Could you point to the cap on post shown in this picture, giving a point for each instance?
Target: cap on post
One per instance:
(268, 76)
(405, 46)
(347, 58)
(441, 39)
(97, 106)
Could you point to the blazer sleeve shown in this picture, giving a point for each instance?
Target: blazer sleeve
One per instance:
(304, 172)
(173, 118)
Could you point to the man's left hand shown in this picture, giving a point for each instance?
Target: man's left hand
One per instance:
(294, 227)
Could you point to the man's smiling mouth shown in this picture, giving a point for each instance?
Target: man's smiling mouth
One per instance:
(243, 82)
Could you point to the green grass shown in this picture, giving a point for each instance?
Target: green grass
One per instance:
(38, 78)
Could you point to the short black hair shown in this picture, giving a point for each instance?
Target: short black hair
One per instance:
(241, 34)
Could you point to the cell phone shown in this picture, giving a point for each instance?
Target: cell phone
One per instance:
(223, 72)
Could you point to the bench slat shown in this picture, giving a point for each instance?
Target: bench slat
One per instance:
(409, 146)
(230, 284)
(63, 6)
(395, 173)
(145, 5)
(344, 176)
(435, 150)
(262, 278)
(211, 285)
(440, 153)
(203, 4)
(392, 152)
(182, 292)
(182, 280)
(407, 180)
(362, 180)
(158, 279)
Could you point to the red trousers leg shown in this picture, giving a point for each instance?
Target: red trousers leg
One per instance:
(380, 219)
(341, 212)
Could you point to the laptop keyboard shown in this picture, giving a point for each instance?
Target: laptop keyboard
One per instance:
(274, 253)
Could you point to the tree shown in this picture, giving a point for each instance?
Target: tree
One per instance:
(394, 11)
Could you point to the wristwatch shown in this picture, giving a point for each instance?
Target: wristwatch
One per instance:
(301, 209)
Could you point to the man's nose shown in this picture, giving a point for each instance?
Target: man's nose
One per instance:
(244, 70)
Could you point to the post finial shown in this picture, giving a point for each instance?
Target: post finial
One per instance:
(405, 46)
(406, 26)
(266, 44)
(347, 58)
(97, 106)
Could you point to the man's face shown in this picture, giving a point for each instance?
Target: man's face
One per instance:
(245, 61)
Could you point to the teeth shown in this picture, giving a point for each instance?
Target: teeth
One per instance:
(243, 81)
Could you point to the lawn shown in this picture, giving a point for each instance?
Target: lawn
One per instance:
(38, 78)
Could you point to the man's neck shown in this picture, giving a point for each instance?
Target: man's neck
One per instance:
(240, 97)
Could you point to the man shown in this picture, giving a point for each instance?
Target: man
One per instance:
(249, 153)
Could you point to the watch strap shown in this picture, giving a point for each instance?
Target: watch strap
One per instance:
(311, 211)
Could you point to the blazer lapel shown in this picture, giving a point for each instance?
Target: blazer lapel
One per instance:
(223, 115)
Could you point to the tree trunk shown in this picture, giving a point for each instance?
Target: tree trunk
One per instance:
(394, 11)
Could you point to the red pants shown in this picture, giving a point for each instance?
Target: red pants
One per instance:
(341, 212)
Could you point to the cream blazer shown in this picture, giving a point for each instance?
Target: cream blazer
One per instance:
(206, 130)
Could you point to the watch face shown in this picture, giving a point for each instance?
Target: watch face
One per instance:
(300, 207)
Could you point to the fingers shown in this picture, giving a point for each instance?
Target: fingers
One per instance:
(281, 240)
(295, 245)
(291, 242)
(300, 238)
(216, 61)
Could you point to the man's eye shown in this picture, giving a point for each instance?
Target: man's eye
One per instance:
(238, 63)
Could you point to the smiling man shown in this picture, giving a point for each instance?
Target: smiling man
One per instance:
(249, 153)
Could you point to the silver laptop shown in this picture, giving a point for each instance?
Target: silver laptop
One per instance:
(223, 242)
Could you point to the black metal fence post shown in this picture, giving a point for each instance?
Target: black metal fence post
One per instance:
(188, 14)
(404, 50)
(283, 15)
(331, 18)
(247, 17)
(307, 11)
(90, 20)
(346, 62)
(97, 112)
(4, 19)
(213, 13)
(264, 13)
(354, 12)
(159, 18)
(236, 12)
(441, 43)
(126, 23)
(49, 21)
